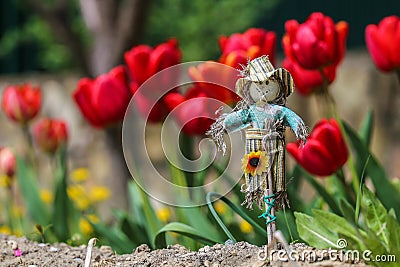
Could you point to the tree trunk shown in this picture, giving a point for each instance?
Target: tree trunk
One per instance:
(115, 28)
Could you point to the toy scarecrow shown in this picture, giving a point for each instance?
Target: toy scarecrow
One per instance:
(263, 116)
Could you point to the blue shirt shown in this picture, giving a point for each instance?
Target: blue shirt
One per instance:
(255, 116)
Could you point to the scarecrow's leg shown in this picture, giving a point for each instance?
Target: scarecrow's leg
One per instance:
(269, 200)
(269, 214)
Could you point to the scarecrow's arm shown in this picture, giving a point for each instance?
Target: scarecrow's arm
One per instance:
(237, 120)
(293, 120)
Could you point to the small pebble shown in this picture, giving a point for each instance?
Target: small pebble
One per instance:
(142, 248)
(104, 249)
(229, 242)
(53, 249)
(13, 244)
(217, 246)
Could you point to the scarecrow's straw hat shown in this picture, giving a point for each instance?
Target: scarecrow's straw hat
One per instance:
(259, 70)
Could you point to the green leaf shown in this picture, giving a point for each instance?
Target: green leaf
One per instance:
(384, 189)
(347, 211)
(375, 244)
(115, 238)
(182, 229)
(294, 182)
(236, 209)
(375, 214)
(198, 220)
(366, 128)
(131, 228)
(135, 202)
(335, 223)
(393, 228)
(313, 232)
(285, 222)
(322, 192)
(152, 223)
(30, 193)
(62, 205)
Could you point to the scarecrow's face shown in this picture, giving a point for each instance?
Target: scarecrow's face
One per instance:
(265, 91)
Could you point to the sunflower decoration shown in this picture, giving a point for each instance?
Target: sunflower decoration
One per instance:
(255, 163)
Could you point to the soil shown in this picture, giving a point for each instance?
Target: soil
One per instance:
(60, 254)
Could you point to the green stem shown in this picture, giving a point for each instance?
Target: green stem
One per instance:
(342, 179)
(29, 141)
(186, 146)
(350, 162)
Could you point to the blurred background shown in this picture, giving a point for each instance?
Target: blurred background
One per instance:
(54, 43)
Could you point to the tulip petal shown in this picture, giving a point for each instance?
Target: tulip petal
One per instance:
(82, 97)
(376, 49)
(137, 59)
(316, 159)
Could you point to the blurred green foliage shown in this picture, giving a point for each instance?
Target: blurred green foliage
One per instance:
(196, 24)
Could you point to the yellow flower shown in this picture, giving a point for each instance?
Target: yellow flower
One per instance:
(80, 175)
(163, 214)
(46, 196)
(220, 207)
(4, 229)
(99, 193)
(77, 194)
(256, 162)
(5, 180)
(85, 226)
(245, 227)
(92, 218)
(82, 203)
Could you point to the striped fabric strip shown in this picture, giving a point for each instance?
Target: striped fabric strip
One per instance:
(256, 185)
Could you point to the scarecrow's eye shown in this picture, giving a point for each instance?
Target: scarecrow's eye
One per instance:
(266, 82)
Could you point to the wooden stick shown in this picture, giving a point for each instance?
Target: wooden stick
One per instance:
(271, 227)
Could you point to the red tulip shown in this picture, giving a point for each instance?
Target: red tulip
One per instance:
(239, 48)
(144, 61)
(309, 81)
(21, 103)
(50, 134)
(383, 42)
(317, 43)
(103, 101)
(216, 80)
(193, 111)
(8, 162)
(325, 150)
(154, 109)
